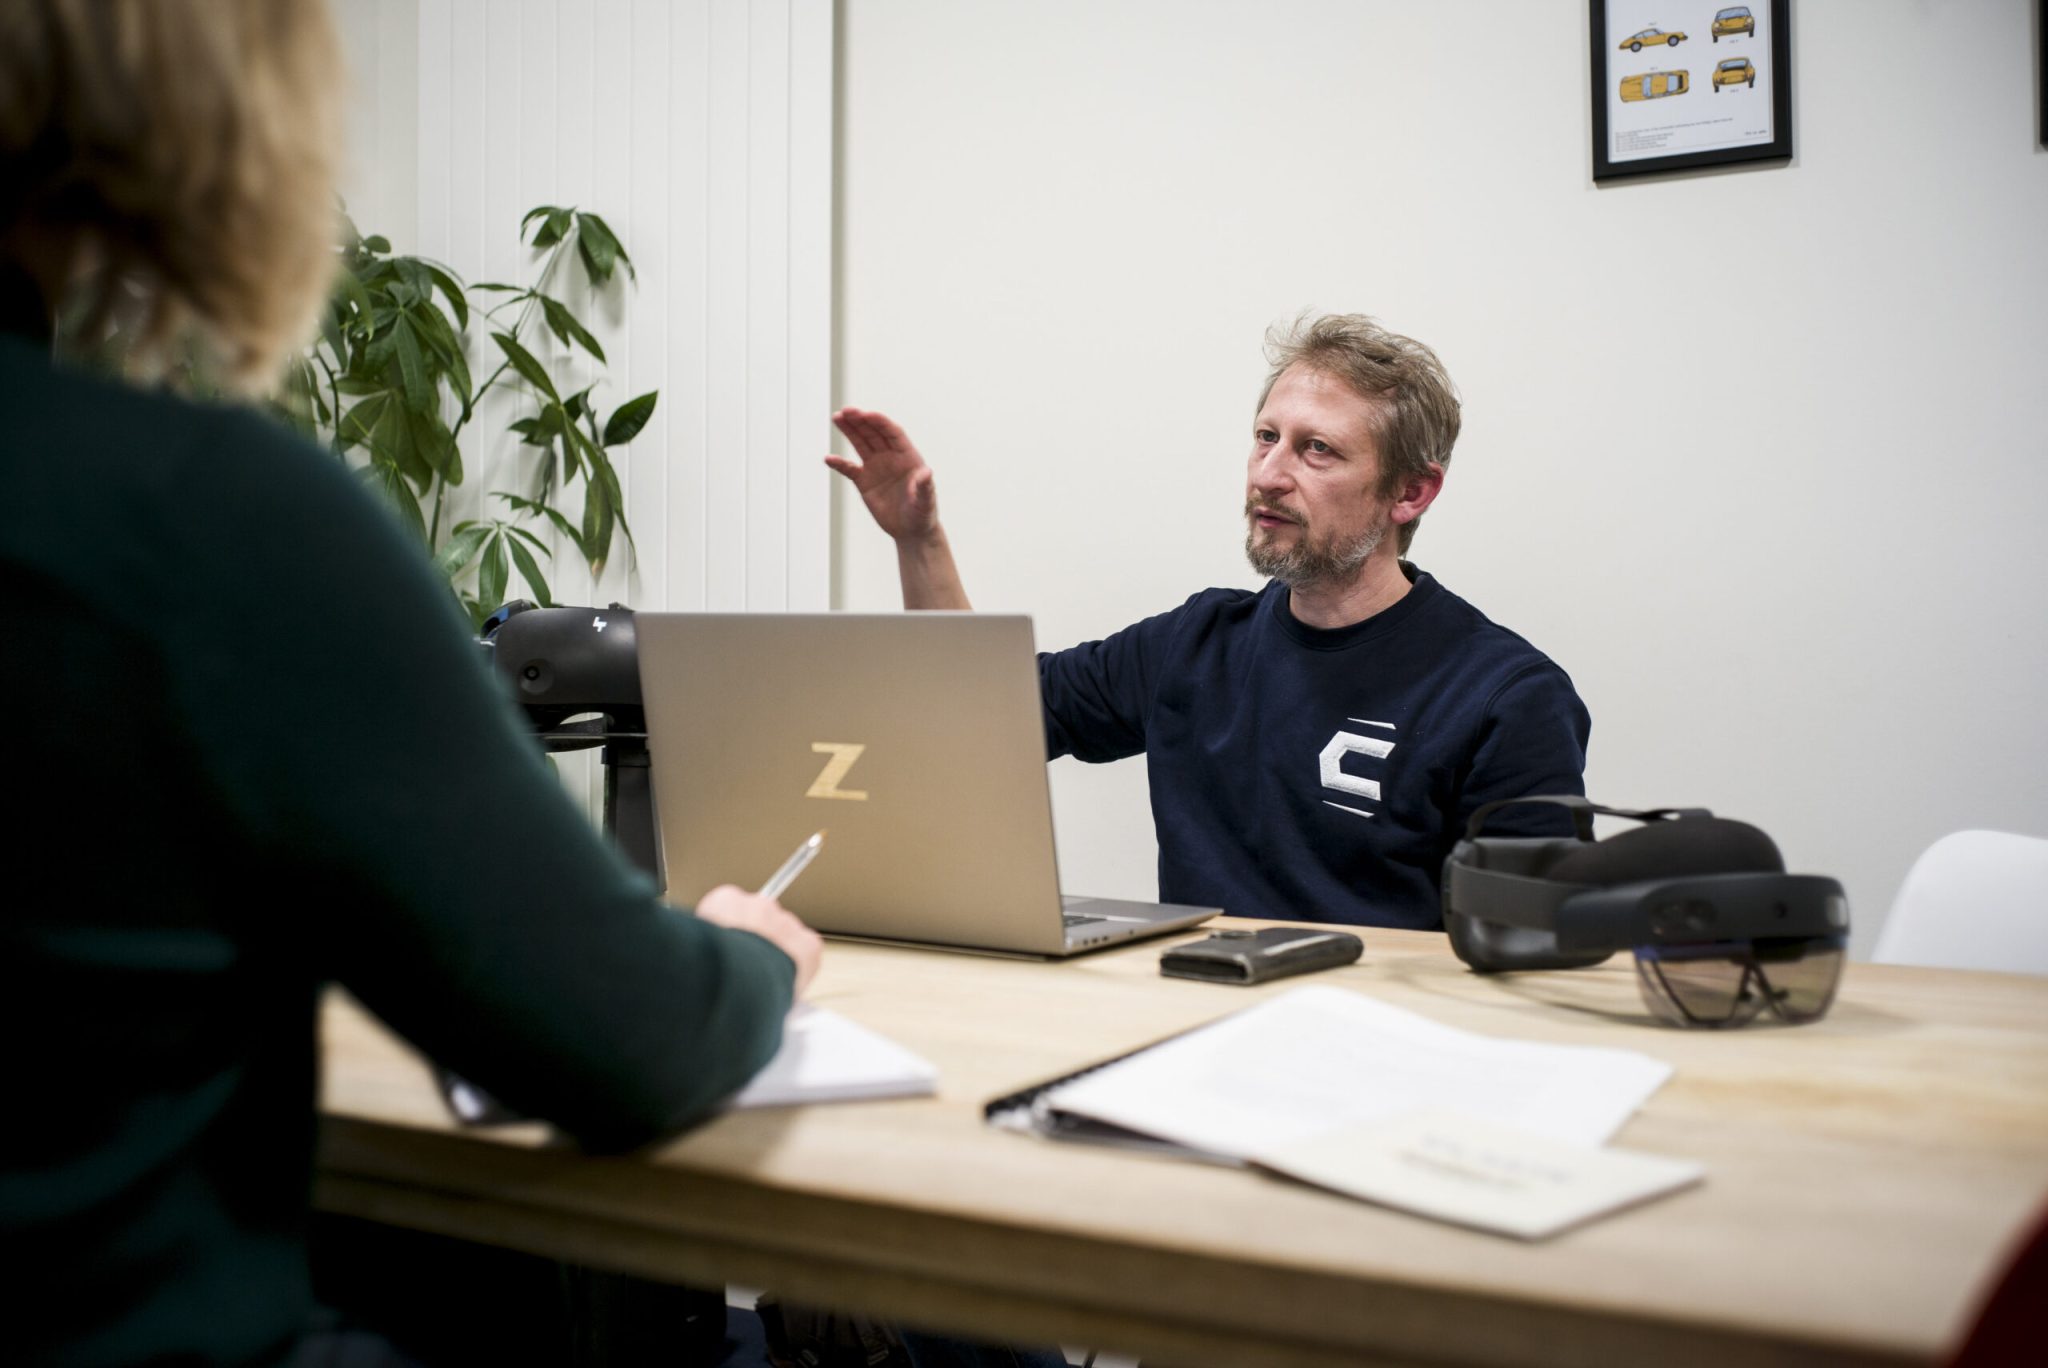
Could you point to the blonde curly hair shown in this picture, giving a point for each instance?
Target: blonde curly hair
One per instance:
(177, 159)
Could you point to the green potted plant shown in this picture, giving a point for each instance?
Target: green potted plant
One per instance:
(388, 387)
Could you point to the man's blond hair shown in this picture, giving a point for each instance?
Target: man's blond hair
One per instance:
(1415, 411)
(180, 155)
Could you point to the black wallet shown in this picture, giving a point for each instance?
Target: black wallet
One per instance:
(1256, 956)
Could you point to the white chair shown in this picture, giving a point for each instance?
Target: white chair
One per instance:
(1973, 900)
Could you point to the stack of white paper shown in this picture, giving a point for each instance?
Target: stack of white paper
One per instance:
(827, 1058)
(1321, 1059)
(1352, 1094)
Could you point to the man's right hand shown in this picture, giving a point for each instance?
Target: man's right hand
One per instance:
(896, 485)
(738, 910)
(893, 480)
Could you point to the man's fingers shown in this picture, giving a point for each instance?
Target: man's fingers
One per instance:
(874, 435)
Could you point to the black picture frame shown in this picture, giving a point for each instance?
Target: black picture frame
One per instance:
(1620, 151)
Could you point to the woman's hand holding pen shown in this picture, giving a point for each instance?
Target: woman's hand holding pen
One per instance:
(739, 910)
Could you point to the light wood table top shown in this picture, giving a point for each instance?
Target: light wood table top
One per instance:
(1865, 1176)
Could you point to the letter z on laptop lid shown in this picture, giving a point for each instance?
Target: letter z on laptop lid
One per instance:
(916, 739)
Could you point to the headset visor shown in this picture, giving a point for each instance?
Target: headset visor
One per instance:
(1727, 983)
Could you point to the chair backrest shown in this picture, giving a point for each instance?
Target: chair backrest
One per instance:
(1973, 900)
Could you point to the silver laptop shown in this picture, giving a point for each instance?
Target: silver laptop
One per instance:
(916, 740)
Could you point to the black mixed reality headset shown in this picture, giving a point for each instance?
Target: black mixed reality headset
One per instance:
(1720, 931)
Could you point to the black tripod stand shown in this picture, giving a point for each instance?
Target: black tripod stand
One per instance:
(564, 663)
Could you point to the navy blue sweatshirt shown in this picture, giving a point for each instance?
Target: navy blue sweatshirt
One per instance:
(1318, 775)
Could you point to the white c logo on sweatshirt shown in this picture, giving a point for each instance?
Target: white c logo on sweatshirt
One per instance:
(1331, 762)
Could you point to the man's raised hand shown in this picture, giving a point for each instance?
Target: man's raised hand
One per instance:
(896, 485)
(893, 480)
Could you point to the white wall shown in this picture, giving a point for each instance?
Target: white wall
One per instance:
(1760, 456)
(701, 132)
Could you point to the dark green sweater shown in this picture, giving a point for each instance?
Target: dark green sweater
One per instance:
(251, 750)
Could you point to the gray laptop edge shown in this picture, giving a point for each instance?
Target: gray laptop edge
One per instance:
(916, 740)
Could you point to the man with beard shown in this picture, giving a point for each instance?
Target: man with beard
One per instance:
(1315, 747)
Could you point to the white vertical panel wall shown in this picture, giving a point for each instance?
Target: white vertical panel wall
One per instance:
(701, 131)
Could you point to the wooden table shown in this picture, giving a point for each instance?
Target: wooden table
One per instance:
(1865, 1175)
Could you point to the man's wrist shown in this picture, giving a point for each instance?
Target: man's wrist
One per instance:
(927, 545)
(930, 577)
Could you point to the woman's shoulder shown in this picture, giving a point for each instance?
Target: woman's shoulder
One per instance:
(137, 499)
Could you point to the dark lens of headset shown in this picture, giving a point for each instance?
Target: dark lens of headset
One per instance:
(1801, 973)
(1698, 985)
(1728, 983)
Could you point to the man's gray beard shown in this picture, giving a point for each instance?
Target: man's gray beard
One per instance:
(1312, 561)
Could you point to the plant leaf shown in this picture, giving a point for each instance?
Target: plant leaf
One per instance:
(586, 447)
(529, 571)
(330, 332)
(389, 481)
(603, 481)
(461, 549)
(456, 363)
(547, 211)
(490, 578)
(566, 326)
(597, 262)
(435, 445)
(412, 368)
(444, 349)
(358, 298)
(380, 423)
(628, 418)
(378, 243)
(610, 476)
(451, 290)
(523, 361)
(359, 424)
(597, 525)
(601, 248)
(576, 448)
(553, 515)
(523, 535)
(552, 231)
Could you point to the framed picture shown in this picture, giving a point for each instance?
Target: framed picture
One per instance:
(1685, 83)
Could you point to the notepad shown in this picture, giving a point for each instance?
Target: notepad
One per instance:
(826, 1057)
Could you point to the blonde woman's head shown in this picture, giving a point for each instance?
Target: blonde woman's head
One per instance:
(174, 160)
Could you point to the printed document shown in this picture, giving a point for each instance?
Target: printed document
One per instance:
(1447, 1165)
(1320, 1059)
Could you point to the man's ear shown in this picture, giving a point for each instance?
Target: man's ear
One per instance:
(1414, 496)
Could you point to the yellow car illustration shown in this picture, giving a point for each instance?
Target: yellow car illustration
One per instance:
(1734, 71)
(1655, 85)
(1650, 37)
(1730, 22)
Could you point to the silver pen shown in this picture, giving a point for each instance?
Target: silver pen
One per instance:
(793, 866)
